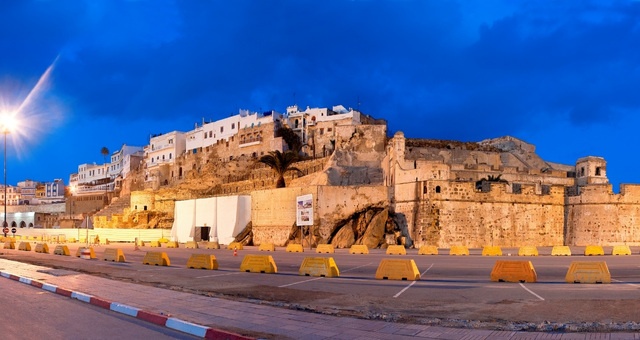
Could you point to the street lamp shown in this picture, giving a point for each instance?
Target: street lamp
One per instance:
(7, 124)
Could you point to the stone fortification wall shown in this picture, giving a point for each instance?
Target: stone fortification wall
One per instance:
(446, 213)
(143, 200)
(598, 216)
(273, 211)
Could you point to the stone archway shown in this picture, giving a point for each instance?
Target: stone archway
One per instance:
(23, 224)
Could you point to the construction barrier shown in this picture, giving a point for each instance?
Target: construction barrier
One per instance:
(202, 261)
(9, 245)
(358, 249)
(42, 248)
(528, 251)
(428, 250)
(294, 248)
(191, 245)
(87, 252)
(26, 246)
(172, 244)
(459, 250)
(235, 246)
(156, 258)
(621, 250)
(561, 251)
(593, 251)
(391, 269)
(154, 244)
(325, 249)
(114, 255)
(396, 250)
(319, 266)
(163, 240)
(258, 264)
(491, 251)
(71, 240)
(212, 245)
(267, 247)
(61, 250)
(513, 271)
(588, 272)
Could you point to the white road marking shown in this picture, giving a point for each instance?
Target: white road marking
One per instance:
(412, 283)
(295, 283)
(630, 284)
(364, 265)
(530, 291)
(202, 277)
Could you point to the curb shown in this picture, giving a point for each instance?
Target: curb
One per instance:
(158, 319)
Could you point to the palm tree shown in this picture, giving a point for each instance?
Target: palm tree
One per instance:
(280, 162)
(105, 152)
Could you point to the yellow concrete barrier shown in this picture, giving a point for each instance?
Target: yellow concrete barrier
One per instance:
(42, 248)
(71, 240)
(191, 245)
(202, 261)
(396, 250)
(588, 272)
(267, 247)
(325, 249)
(157, 258)
(392, 269)
(212, 245)
(154, 244)
(459, 250)
(561, 251)
(294, 248)
(61, 250)
(513, 271)
(114, 255)
(235, 246)
(593, 251)
(172, 244)
(491, 251)
(26, 246)
(428, 250)
(92, 253)
(9, 245)
(359, 249)
(319, 266)
(163, 240)
(621, 250)
(528, 251)
(258, 264)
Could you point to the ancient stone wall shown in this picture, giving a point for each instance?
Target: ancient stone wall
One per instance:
(273, 211)
(446, 213)
(598, 216)
(142, 200)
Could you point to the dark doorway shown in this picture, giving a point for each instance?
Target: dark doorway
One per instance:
(201, 234)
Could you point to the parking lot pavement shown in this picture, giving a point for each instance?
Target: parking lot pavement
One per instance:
(165, 290)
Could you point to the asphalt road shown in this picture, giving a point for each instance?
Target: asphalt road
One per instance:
(450, 286)
(32, 313)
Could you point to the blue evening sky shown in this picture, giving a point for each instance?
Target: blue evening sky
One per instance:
(563, 75)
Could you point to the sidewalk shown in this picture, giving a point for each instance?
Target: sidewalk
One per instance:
(216, 316)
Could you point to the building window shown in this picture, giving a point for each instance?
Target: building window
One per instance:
(516, 188)
(437, 189)
(582, 171)
(221, 129)
(205, 135)
(597, 171)
(233, 126)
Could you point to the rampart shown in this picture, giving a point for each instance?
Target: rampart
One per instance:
(598, 216)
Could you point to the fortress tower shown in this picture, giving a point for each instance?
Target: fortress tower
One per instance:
(591, 170)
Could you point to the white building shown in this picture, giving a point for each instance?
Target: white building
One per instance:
(163, 149)
(27, 192)
(121, 160)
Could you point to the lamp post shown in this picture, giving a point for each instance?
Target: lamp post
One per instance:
(7, 124)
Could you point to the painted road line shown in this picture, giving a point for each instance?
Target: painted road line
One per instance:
(202, 277)
(354, 268)
(630, 284)
(412, 283)
(295, 283)
(530, 291)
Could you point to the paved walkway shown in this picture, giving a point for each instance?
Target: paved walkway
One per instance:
(219, 318)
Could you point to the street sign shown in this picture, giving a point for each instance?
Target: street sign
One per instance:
(5, 230)
(13, 230)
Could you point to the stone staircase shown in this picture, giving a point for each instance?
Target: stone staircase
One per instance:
(117, 206)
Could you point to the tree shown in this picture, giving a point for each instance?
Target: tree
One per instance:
(291, 138)
(105, 152)
(281, 162)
